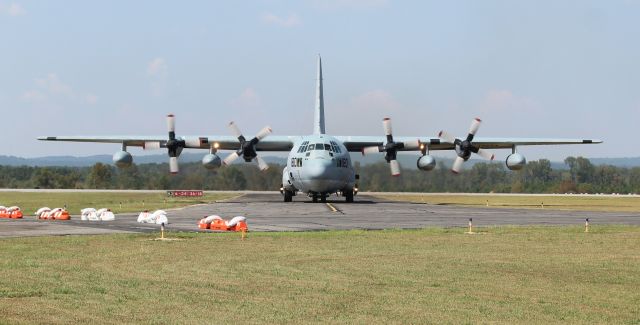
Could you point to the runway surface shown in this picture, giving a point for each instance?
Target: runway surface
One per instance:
(267, 212)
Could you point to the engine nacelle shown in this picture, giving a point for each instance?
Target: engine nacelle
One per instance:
(122, 159)
(211, 161)
(516, 161)
(426, 163)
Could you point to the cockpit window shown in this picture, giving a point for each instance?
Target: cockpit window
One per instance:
(319, 146)
(327, 147)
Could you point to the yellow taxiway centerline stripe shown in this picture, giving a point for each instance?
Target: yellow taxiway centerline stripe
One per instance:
(332, 207)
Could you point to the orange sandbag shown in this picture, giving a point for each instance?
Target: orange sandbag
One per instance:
(203, 225)
(240, 226)
(218, 224)
(16, 214)
(62, 215)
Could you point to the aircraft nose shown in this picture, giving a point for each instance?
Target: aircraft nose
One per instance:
(317, 168)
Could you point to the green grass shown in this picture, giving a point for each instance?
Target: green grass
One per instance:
(119, 202)
(557, 202)
(503, 275)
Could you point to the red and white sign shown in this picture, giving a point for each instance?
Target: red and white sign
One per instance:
(185, 193)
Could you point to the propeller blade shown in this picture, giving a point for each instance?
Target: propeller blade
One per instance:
(412, 145)
(230, 158)
(475, 124)
(151, 145)
(370, 150)
(171, 123)
(444, 135)
(386, 125)
(486, 154)
(173, 165)
(395, 168)
(263, 133)
(457, 165)
(235, 129)
(262, 164)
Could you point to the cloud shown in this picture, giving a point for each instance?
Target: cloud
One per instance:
(33, 96)
(247, 99)
(13, 9)
(291, 21)
(157, 67)
(158, 71)
(500, 100)
(348, 4)
(91, 99)
(52, 87)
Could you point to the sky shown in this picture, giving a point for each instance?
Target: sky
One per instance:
(565, 69)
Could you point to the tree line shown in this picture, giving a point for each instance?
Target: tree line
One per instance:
(581, 176)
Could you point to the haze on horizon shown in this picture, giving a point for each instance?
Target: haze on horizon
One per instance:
(528, 69)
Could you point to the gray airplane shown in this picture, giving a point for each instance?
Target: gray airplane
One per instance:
(319, 165)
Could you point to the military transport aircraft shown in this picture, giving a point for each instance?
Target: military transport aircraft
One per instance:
(319, 164)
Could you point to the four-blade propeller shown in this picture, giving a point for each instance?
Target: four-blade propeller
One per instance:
(391, 147)
(247, 148)
(464, 148)
(174, 146)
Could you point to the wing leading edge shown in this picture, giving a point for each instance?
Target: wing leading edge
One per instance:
(358, 143)
(273, 143)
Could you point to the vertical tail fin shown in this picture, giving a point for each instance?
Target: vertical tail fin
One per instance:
(318, 123)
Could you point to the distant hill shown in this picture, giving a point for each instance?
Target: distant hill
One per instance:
(406, 160)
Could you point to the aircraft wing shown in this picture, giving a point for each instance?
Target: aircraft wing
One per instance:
(271, 143)
(358, 143)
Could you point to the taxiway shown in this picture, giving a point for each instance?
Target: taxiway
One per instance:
(267, 212)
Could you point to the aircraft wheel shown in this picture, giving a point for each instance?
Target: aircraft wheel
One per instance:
(348, 196)
(323, 198)
(288, 196)
(314, 198)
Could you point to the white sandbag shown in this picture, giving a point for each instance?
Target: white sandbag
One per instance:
(159, 212)
(3, 208)
(143, 216)
(93, 216)
(235, 221)
(162, 219)
(210, 219)
(84, 213)
(100, 211)
(13, 208)
(41, 211)
(107, 216)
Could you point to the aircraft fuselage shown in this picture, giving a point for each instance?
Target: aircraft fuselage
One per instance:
(319, 165)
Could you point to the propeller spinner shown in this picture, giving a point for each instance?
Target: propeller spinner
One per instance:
(391, 147)
(464, 148)
(247, 148)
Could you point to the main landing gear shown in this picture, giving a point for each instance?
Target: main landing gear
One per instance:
(316, 196)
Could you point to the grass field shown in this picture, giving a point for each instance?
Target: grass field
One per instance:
(557, 202)
(119, 202)
(503, 275)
